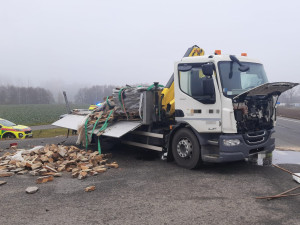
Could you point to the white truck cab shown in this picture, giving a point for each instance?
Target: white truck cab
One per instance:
(228, 103)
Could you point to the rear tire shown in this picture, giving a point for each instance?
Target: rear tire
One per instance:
(186, 149)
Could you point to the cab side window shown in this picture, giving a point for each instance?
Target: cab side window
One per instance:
(195, 84)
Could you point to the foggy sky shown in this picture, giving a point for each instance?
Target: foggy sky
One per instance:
(60, 43)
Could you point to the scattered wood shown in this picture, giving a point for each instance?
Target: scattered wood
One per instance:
(286, 170)
(34, 173)
(36, 166)
(89, 189)
(277, 196)
(48, 167)
(285, 193)
(82, 175)
(44, 179)
(51, 160)
(2, 182)
(100, 169)
(113, 165)
(6, 174)
(22, 172)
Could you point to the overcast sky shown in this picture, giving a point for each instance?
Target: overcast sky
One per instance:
(71, 42)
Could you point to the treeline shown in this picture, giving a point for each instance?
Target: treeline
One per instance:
(93, 94)
(291, 96)
(25, 95)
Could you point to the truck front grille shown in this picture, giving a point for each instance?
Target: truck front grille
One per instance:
(256, 137)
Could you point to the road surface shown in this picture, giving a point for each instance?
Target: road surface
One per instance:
(147, 190)
(287, 134)
(43, 127)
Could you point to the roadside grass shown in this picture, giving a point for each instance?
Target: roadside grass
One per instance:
(36, 114)
(50, 133)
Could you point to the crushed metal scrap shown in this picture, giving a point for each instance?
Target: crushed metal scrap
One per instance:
(50, 160)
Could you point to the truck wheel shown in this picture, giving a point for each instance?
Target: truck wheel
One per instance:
(9, 136)
(186, 149)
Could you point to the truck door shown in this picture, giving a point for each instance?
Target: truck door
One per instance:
(197, 98)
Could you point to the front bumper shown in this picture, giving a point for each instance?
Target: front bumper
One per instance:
(28, 135)
(24, 135)
(221, 153)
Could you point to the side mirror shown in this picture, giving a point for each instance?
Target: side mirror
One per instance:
(208, 69)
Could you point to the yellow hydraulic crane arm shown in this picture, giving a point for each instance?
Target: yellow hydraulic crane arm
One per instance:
(168, 101)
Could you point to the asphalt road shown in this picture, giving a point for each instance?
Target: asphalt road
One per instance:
(147, 190)
(287, 134)
(43, 127)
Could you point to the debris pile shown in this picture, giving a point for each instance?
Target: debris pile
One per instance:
(124, 104)
(128, 101)
(50, 160)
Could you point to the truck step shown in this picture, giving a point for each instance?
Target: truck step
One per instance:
(148, 134)
(212, 156)
(213, 142)
(153, 147)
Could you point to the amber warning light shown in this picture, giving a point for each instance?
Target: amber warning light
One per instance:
(244, 54)
(217, 52)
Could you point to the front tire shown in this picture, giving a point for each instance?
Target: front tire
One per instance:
(9, 136)
(186, 149)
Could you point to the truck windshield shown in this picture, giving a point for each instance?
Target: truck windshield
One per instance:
(7, 123)
(235, 82)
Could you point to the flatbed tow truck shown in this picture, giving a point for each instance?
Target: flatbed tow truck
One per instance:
(215, 108)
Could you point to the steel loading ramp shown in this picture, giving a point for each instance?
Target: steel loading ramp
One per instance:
(70, 121)
(120, 128)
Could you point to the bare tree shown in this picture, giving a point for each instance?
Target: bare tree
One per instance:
(291, 96)
(93, 94)
(24, 95)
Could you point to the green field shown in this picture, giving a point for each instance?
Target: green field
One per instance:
(35, 114)
(50, 133)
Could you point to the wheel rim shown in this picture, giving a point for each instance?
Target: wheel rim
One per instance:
(185, 148)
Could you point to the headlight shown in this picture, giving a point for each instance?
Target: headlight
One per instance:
(231, 142)
(20, 135)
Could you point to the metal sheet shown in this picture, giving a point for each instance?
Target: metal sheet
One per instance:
(120, 128)
(70, 121)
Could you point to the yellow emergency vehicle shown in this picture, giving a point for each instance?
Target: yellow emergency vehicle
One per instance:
(11, 130)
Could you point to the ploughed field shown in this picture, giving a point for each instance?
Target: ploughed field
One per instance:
(36, 114)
